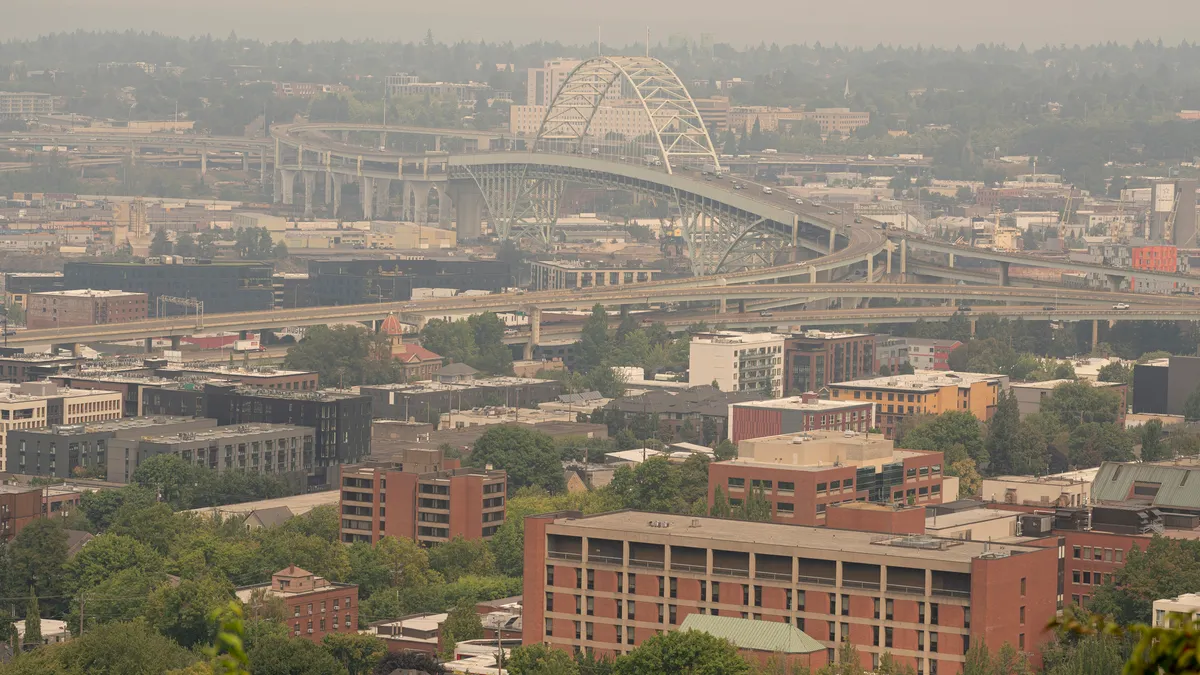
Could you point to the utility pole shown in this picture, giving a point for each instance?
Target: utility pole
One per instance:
(81, 599)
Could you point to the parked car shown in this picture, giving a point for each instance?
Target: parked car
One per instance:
(1121, 305)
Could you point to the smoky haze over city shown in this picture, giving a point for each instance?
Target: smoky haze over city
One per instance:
(871, 22)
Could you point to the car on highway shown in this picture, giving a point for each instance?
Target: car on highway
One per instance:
(832, 212)
(799, 201)
(738, 186)
(963, 308)
(858, 221)
(1121, 305)
(765, 313)
(1049, 308)
(766, 190)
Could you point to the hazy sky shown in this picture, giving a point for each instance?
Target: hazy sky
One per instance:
(864, 22)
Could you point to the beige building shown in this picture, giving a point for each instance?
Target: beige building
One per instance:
(838, 120)
(841, 121)
(544, 82)
(738, 361)
(1188, 603)
(1064, 489)
(715, 113)
(404, 236)
(626, 118)
(742, 118)
(973, 525)
(16, 105)
(30, 405)
(822, 448)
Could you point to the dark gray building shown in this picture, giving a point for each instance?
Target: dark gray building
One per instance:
(279, 450)
(427, 401)
(74, 450)
(1162, 386)
(222, 286)
(350, 282)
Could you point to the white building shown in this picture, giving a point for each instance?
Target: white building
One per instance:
(1188, 603)
(31, 405)
(738, 361)
(543, 83)
(52, 631)
(627, 119)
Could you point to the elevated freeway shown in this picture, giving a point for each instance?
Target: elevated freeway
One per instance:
(419, 312)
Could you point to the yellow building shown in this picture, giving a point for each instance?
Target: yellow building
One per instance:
(926, 392)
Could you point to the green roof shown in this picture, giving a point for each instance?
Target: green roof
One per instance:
(763, 636)
(1179, 485)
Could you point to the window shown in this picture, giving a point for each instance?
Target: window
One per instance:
(1077, 552)
(785, 507)
(887, 637)
(799, 601)
(845, 605)
(737, 483)
(875, 633)
(787, 486)
(1076, 576)
(591, 577)
(1021, 641)
(876, 602)
(1119, 555)
(933, 613)
(966, 620)
(674, 587)
(890, 608)
(1021, 615)
(591, 606)
(822, 487)
(1022, 585)
(578, 578)
(933, 642)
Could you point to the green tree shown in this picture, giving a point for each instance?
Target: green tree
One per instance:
(847, 662)
(109, 554)
(460, 557)
(1151, 437)
(131, 648)
(358, 653)
(683, 653)
(182, 612)
(406, 661)
(345, 356)
(529, 456)
(1166, 568)
(756, 508)
(969, 480)
(1076, 403)
(1093, 443)
(595, 345)
(185, 245)
(36, 558)
(956, 433)
(462, 623)
(292, 656)
(160, 244)
(33, 620)
(1002, 432)
(538, 659)
(1191, 406)
(1183, 443)
(725, 450)
(1027, 453)
(720, 506)
(652, 485)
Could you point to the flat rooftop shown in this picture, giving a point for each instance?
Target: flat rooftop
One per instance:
(969, 517)
(678, 529)
(41, 357)
(89, 293)
(123, 424)
(209, 369)
(1058, 479)
(1052, 384)
(298, 504)
(922, 380)
(734, 338)
(18, 393)
(226, 432)
(828, 335)
(798, 403)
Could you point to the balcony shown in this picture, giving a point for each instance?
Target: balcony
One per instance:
(866, 585)
(564, 555)
(904, 589)
(686, 567)
(650, 564)
(951, 593)
(617, 561)
(773, 576)
(816, 581)
(730, 572)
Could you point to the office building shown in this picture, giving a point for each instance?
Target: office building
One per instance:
(570, 275)
(923, 393)
(839, 121)
(73, 450)
(341, 420)
(280, 450)
(815, 358)
(803, 474)
(16, 366)
(1162, 386)
(30, 405)
(132, 387)
(1031, 394)
(313, 606)
(734, 361)
(403, 84)
(543, 83)
(771, 417)
(1172, 218)
(1187, 604)
(24, 105)
(222, 286)
(623, 120)
(84, 307)
(608, 582)
(350, 282)
(308, 89)
(701, 413)
(430, 507)
(714, 111)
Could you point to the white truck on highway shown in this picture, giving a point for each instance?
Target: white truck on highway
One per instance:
(652, 160)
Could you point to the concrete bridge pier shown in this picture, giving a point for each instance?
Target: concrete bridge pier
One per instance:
(366, 194)
(336, 191)
(420, 204)
(328, 188)
(310, 186)
(1004, 273)
(535, 331)
(468, 213)
(149, 345)
(724, 308)
(262, 165)
(903, 261)
(383, 192)
(891, 248)
(1095, 333)
(444, 207)
(277, 187)
(951, 265)
(203, 164)
(832, 241)
(870, 268)
(973, 327)
(1114, 282)
(288, 176)
(175, 342)
(245, 162)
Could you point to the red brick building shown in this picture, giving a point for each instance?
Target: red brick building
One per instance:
(807, 412)
(605, 583)
(63, 309)
(429, 507)
(802, 476)
(314, 606)
(19, 506)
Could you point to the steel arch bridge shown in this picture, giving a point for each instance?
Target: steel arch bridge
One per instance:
(669, 133)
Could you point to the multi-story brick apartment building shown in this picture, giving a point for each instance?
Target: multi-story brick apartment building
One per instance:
(431, 507)
(606, 583)
(802, 475)
(925, 392)
(815, 358)
(83, 307)
(313, 606)
(755, 419)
